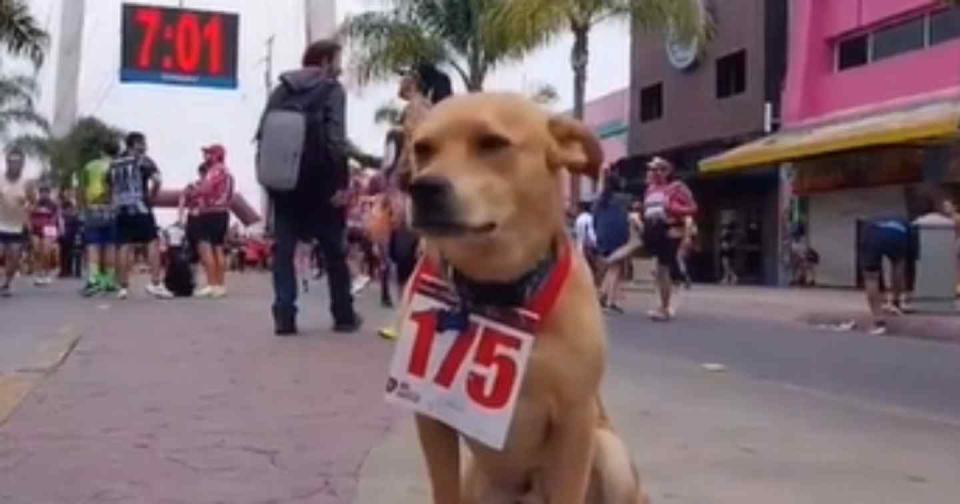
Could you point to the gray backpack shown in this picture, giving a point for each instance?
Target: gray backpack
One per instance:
(284, 135)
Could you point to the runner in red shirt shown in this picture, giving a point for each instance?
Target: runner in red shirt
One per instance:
(44, 233)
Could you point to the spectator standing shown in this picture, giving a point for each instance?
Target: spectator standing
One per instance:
(14, 213)
(728, 249)
(187, 210)
(70, 254)
(315, 207)
(99, 229)
(213, 195)
(585, 235)
(134, 182)
(666, 205)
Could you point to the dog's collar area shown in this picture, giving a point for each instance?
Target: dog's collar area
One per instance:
(473, 294)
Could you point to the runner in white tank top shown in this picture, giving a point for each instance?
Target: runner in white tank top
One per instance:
(13, 216)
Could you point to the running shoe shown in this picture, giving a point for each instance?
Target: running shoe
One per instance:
(204, 292)
(388, 333)
(158, 291)
(658, 315)
(122, 293)
(91, 289)
(359, 283)
(218, 292)
(879, 329)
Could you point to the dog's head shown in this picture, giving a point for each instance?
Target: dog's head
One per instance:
(485, 185)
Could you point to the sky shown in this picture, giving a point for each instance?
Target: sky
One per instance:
(179, 120)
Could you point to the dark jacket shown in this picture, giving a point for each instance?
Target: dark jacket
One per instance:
(611, 224)
(323, 169)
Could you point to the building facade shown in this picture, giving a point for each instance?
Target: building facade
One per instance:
(607, 117)
(871, 106)
(688, 103)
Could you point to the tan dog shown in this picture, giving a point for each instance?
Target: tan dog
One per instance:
(486, 194)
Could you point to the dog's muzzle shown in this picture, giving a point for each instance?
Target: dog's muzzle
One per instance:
(434, 205)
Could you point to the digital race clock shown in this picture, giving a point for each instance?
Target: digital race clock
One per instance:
(179, 46)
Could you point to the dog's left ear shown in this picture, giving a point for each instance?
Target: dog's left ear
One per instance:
(575, 147)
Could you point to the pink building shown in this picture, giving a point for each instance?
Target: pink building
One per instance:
(608, 117)
(852, 57)
(871, 108)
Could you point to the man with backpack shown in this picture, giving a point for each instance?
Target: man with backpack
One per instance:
(302, 163)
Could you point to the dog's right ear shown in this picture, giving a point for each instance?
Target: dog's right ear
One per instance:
(576, 148)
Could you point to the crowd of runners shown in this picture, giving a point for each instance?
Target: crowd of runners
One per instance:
(346, 222)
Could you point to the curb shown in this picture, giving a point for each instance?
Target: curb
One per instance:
(944, 329)
(15, 387)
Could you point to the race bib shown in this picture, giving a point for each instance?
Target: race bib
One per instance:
(464, 370)
(50, 231)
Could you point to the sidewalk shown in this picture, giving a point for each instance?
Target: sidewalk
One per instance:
(818, 306)
(195, 401)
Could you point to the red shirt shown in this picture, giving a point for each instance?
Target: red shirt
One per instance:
(215, 190)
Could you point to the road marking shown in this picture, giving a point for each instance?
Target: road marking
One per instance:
(54, 352)
(14, 388)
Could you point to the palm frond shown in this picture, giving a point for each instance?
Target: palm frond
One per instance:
(23, 117)
(469, 36)
(382, 43)
(388, 113)
(36, 146)
(20, 33)
(17, 90)
(685, 19)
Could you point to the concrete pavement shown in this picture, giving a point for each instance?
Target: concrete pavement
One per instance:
(799, 415)
(195, 402)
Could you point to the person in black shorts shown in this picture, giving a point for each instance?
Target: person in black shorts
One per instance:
(134, 181)
(893, 239)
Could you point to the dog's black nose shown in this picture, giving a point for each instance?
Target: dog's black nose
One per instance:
(430, 193)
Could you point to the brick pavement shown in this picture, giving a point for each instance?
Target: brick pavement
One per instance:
(196, 402)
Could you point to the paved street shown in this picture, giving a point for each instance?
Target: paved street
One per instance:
(194, 402)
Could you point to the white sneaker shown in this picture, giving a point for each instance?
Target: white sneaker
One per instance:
(38, 281)
(122, 293)
(203, 292)
(879, 330)
(158, 291)
(359, 284)
(218, 292)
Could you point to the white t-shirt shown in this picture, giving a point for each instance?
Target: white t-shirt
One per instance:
(584, 231)
(13, 201)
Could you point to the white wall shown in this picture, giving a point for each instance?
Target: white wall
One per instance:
(833, 228)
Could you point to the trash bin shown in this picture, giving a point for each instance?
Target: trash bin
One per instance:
(936, 265)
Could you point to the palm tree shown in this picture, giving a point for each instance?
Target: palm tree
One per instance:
(683, 19)
(17, 112)
(465, 35)
(20, 34)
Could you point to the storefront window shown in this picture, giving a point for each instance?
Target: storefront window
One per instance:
(853, 52)
(899, 39)
(945, 26)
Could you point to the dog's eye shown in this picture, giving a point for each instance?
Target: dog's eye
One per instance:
(423, 151)
(492, 143)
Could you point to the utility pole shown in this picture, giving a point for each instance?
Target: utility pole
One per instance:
(68, 66)
(320, 19)
(268, 67)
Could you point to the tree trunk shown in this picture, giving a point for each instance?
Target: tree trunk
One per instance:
(579, 58)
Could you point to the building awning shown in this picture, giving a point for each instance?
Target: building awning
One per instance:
(931, 122)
